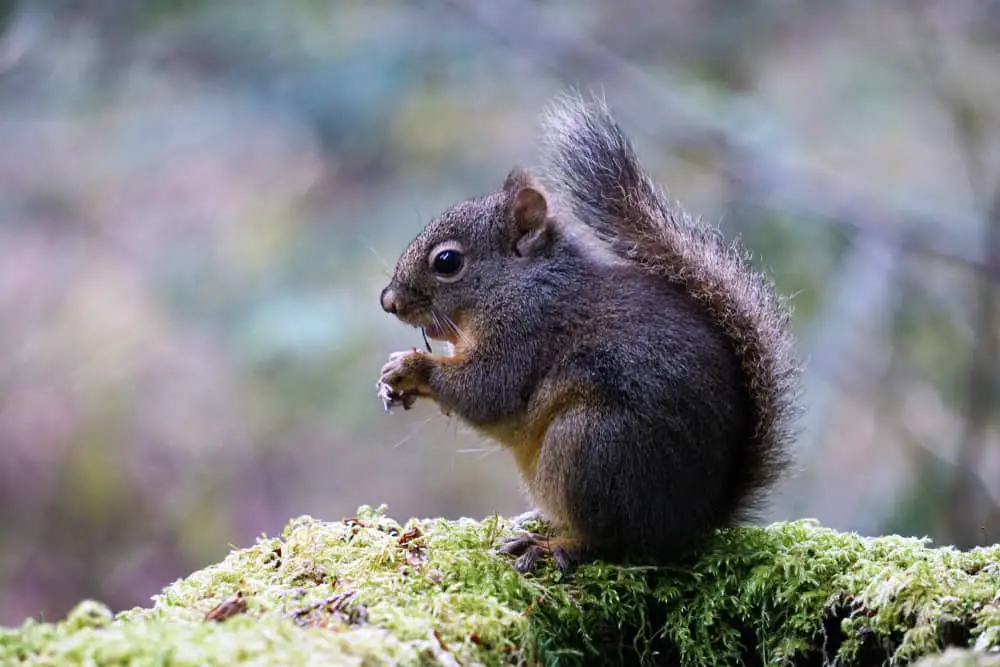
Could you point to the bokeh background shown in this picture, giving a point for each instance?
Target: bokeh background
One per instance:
(199, 203)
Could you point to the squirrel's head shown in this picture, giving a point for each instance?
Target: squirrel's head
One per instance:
(466, 256)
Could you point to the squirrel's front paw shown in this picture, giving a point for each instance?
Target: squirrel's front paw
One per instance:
(405, 377)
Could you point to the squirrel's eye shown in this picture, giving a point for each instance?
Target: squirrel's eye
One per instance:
(447, 263)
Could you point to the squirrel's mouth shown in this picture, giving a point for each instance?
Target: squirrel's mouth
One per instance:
(443, 328)
(435, 331)
(437, 327)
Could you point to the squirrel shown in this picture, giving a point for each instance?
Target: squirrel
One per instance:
(641, 373)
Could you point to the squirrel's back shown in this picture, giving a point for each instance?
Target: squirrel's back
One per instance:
(593, 171)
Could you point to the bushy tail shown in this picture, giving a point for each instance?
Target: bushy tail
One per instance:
(594, 171)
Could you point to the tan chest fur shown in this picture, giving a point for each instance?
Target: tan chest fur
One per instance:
(527, 439)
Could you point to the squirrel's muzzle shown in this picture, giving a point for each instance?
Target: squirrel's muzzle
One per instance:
(389, 300)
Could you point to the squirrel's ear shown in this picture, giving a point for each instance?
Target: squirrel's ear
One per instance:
(532, 229)
(517, 178)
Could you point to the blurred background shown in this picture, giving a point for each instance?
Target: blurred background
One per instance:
(199, 203)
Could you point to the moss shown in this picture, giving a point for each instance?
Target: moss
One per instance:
(960, 657)
(369, 591)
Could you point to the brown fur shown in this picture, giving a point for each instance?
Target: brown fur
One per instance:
(639, 371)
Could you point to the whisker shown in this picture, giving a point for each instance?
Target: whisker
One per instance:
(416, 212)
(458, 332)
(448, 325)
(489, 451)
(379, 257)
(416, 429)
(474, 450)
(482, 451)
(438, 324)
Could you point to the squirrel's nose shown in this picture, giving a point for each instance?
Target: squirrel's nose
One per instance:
(389, 301)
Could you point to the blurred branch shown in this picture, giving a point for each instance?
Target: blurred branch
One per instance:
(856, 303)
(7, 8)
(775, 181)
(966, 122)
(963, 517)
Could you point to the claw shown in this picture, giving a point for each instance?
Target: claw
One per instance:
(527, 561)
(531, 549)
(563, 560)
(515, 546)
(390, 378)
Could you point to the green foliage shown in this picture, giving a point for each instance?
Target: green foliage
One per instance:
(369, 591)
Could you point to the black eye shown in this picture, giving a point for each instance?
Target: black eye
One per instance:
(447, 263)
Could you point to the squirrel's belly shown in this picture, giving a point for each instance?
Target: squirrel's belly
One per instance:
(512, 435)
(525, 445)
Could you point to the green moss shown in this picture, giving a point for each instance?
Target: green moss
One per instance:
(433, 592)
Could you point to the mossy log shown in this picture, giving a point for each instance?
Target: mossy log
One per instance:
(368, 591)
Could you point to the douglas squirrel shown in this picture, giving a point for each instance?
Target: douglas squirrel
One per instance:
(640, 372)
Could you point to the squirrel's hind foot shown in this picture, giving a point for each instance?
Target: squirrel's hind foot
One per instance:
(531, 549)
